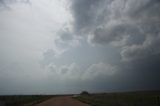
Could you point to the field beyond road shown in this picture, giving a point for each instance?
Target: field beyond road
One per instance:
(135, 98)
(139, 98)
(62, 101)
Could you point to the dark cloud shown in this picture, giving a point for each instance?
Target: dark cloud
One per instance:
(83, 15)
(144, 73)
(140, 74)
(148, 48)
(115, 33)
(131, 25)
(2, 5)
(87, 14)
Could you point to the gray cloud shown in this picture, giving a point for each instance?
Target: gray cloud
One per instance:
(133, 26)
(129, 24)
(7, 4)
(87, 14)
(14, 1)
(65, 35)
(149, 47)
(143, 73)
(117, 47)
(66, 38)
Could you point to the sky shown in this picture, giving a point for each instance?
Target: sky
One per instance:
(67, 46)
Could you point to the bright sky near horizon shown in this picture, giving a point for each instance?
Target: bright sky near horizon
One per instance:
(66, 46)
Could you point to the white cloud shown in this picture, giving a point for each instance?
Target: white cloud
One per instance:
(73, 71)
(64, 72)
(100, 70)
(26, 32)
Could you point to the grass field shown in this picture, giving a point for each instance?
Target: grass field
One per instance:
(20, 100)
(143, 98)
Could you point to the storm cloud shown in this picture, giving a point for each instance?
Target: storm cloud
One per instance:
(132, 24)
(66, 46)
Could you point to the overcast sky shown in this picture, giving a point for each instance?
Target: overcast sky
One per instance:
(66, 46)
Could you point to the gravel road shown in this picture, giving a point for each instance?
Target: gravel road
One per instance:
(62, 101)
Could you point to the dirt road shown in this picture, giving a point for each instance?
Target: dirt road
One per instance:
(62, 101)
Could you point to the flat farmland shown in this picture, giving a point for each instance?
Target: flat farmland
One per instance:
(138, 98)
(22, 100)
(141, 98)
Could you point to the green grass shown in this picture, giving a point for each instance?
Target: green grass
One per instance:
(19, 100)
(144, 98)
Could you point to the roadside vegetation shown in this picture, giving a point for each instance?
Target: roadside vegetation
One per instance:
(143, 98)
(22, 100)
